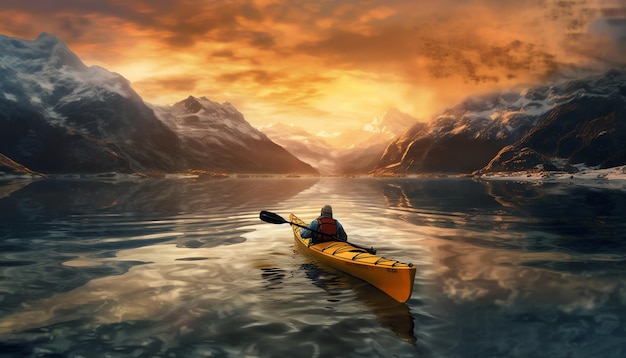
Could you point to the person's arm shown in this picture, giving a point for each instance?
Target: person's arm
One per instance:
(307, 232)
(341, 233)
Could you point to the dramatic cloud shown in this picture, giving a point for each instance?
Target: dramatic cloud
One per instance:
(330, 63)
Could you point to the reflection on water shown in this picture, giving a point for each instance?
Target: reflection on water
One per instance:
(523, 269)
(185, 268)
(388, 312)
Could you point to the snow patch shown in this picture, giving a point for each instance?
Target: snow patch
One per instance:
(325, 134)
(54, 118)
(370, 128)
(35, 100)
(610, 178)
(10, 97)
(459, 129)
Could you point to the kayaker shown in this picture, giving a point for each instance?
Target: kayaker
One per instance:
(325, 223)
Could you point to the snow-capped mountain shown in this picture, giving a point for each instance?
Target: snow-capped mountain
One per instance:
(465, 138)
(217, 137)
(391, 125)
(586, 126)
(58, 115)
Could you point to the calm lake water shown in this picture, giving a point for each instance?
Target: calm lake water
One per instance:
(185, 268)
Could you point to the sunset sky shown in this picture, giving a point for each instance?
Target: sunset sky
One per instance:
(330, 64)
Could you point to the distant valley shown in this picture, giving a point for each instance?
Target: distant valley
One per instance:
(359, 158)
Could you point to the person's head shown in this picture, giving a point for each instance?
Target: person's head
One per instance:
(327, 211)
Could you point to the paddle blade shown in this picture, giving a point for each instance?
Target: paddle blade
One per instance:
(272, 218)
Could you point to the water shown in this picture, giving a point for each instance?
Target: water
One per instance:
(185, 268)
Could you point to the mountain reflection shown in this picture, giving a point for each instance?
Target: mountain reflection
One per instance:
(503, 268)
(61, 197)
(565, 213)
(536, 257)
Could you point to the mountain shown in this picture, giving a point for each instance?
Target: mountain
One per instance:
(58, 115)
(462, 138)
(391, 125)
(587, 126)
(359, 159)
(571, 120)
(393, 157)
(10, 167)
(377, 135)
(216, 137)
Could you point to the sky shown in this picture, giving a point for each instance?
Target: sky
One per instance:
(330, 65)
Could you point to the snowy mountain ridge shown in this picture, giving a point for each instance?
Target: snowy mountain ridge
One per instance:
(219, 134)
(198, 117)
(391, 124)
(503, 114)
(46, 68)
(465, 138)
(59, 116)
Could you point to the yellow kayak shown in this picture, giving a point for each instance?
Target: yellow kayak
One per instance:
(390, 276)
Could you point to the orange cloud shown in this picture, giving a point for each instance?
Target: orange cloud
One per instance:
(333, 63)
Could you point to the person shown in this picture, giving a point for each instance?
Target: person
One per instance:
(331, 228)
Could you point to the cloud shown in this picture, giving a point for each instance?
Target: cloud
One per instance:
(259, 77)
(495, 43)
(452, 36)
(167, 89)
(224, 53)
(181, 83)
(298, 91)
(330, 59)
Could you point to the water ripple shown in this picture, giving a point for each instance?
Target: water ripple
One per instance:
(185, 267)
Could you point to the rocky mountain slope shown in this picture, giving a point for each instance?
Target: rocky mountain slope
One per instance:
(217, 137)
(573, 121)
(58, 115)
(587, 127)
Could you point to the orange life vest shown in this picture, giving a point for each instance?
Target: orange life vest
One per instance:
(328, 226)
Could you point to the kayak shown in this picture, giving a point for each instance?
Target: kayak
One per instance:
(390, 276)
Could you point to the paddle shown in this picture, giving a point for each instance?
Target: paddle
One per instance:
(273, 218)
